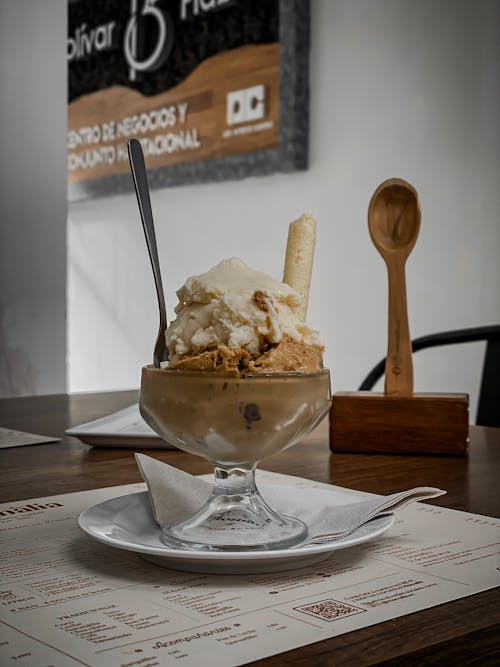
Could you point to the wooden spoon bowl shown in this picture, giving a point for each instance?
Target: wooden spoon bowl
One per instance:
(394, 217)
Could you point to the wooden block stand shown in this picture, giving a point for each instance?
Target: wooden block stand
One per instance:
(419, 424)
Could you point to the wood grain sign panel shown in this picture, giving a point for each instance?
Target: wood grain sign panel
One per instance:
(213, 89)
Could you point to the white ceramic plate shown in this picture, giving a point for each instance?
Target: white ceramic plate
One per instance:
(127, 523)
(125, 428)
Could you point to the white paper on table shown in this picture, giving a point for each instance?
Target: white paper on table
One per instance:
(125, 428)
(67, 599)
(11, 438)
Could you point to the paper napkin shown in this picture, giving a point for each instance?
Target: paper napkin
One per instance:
(176, 495)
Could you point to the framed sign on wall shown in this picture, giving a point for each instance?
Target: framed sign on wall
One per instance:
(213, 89)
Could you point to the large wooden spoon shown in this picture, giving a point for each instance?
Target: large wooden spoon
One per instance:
(394, 223)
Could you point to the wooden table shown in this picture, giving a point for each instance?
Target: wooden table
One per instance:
(463, 632)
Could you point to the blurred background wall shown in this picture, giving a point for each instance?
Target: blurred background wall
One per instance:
(398, 88)
(33, 207)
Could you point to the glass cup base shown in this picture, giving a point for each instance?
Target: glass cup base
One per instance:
(237, 522)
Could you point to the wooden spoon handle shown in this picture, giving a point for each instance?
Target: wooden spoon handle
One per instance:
(398, 365)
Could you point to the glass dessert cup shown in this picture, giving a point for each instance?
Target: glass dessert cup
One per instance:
(234, 422)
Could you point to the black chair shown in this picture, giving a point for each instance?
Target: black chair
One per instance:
(488, 411)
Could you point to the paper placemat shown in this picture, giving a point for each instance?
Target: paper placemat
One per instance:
(11, 438)
(67, 599)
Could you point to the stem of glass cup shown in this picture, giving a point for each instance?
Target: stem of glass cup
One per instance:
(231, 481)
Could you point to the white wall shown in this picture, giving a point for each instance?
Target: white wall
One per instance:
(33, 111)
(398, 88)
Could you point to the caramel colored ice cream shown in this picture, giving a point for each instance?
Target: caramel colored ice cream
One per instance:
(234, 320)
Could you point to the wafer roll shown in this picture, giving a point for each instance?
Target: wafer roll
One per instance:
(299, 258)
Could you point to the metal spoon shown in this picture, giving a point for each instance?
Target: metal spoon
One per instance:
(394, 223)
(136, 158)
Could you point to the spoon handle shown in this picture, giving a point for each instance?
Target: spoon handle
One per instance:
(398, 365)
(139, 175)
